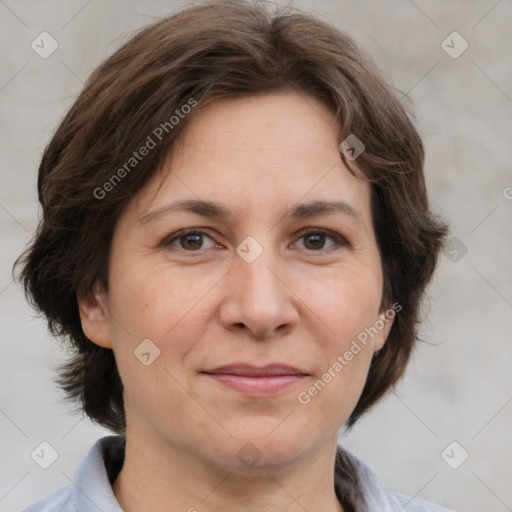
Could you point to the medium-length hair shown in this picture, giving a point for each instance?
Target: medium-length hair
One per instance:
(208, 51)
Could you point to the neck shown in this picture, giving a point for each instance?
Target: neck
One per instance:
(158, 477)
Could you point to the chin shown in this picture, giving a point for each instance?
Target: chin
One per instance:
(263, 444)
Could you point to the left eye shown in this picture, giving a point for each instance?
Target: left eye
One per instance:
(317, 238)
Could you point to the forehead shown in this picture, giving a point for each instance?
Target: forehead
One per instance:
(270, 126)
(257, 153)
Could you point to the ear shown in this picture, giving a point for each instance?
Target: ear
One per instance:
(387, 317)
(94, 316)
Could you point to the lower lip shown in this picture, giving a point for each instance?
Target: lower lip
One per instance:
(268, 385)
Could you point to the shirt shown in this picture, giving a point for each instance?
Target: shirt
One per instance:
(356, 486)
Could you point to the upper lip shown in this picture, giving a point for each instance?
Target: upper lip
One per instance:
(249, 370)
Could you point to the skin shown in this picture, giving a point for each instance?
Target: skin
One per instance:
(298, 303)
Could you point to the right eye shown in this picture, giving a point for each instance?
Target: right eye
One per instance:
(190, 240)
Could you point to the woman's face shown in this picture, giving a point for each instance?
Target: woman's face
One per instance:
(268, 275)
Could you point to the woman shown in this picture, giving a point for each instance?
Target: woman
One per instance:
(235, 241)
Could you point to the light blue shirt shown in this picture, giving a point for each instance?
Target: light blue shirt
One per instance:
(92, 489)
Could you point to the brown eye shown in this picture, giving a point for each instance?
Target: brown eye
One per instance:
(315, 240)
(191, 240)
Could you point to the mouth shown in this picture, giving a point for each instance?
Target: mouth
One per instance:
(257, 381)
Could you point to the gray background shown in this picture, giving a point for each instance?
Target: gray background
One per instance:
(459, 384)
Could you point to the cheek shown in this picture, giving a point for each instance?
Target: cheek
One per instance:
(347, 309)
(166, 308)
(170, 308)
(153, 299)
(346, 302)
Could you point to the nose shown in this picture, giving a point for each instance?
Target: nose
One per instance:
(259, 298)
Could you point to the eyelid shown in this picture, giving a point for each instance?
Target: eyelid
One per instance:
(169, 239)
(340, 240)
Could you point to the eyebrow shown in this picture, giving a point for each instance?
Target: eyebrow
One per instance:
(218, 211)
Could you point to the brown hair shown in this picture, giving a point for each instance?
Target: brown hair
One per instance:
(209, 51)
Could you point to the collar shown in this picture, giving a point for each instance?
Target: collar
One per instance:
(354, 482)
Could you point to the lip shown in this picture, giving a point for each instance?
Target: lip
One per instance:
(250, 370)
(257, 380)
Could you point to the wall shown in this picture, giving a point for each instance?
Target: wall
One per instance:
(459, 384)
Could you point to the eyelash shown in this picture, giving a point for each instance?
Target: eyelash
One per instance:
(338, 239)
